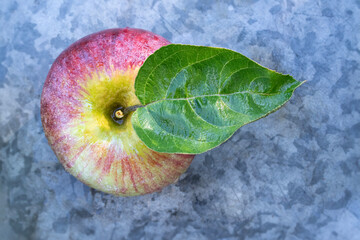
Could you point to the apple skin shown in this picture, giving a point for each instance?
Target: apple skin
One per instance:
(85, 84)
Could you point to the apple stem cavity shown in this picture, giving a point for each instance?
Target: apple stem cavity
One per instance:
(120, 113)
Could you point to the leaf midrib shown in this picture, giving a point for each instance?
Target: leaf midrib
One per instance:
(213, 95)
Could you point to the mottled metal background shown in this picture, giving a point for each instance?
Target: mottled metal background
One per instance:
(293, 175)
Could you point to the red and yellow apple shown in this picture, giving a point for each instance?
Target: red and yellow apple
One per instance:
(86, 83)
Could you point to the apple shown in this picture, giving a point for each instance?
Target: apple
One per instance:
(86, 89)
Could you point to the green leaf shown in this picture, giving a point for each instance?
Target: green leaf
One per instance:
(196, 97)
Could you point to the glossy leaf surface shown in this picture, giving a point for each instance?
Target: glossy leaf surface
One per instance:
(196, 97)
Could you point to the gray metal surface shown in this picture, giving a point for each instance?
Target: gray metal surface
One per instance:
(292, 175)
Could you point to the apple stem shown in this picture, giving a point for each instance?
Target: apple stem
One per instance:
(120, 113)
(132, 109)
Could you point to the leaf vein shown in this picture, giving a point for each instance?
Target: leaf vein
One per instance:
(205, 59)
(203, 118)
(171, 134)
(215, 95)
(148, 76)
